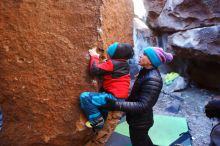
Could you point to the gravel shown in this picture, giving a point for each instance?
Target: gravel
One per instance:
(189, 104)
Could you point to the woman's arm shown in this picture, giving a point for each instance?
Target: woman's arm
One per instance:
(150, 90)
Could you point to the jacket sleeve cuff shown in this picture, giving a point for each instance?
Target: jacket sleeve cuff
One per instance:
(118, 106)
(95, 57)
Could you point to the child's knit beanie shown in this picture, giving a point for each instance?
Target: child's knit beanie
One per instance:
(157, 56)
(120, 51)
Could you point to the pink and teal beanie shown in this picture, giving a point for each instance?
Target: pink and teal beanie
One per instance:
(157, 56)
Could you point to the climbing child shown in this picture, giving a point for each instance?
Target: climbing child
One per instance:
(116, 82)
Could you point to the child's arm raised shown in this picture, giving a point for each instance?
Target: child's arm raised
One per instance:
(97, 68)
(92, 52)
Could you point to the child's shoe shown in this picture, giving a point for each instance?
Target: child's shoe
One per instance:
(96, 124)
(88, 124)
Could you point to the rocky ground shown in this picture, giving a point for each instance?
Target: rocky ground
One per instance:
(188, 103)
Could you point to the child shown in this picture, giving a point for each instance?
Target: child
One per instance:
(116, 82)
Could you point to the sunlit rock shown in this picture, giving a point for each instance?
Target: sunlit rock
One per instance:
(44, 65)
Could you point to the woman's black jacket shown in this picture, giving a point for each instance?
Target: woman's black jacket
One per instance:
(143, 97)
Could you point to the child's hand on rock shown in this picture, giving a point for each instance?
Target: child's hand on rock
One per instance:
(92, 52)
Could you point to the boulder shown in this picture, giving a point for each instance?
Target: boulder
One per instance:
(153, 8)
(116, 19)
(44, 66)
(190, 30)
(200, 43)
(201, 47)
(181, 15)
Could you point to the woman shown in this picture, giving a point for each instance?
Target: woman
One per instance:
(144, 95)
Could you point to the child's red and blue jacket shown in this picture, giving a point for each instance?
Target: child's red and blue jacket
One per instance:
(116, 76)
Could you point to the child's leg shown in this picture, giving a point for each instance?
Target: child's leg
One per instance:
(91, 110)
(100, 100)
(104, 113)
(90, 102)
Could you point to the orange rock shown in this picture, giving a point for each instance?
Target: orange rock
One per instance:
(44, 65)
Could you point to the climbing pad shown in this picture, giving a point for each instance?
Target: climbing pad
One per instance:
(166, 131)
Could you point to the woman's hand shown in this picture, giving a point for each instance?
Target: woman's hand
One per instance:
(110, 104)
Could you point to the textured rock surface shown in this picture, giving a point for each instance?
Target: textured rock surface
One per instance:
(202, 47)
(190, 28)
(116, 18)
(202, 43)
(44, 68)
(154, 9)
(186, 14)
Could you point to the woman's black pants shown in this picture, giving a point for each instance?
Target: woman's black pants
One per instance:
(139, 136)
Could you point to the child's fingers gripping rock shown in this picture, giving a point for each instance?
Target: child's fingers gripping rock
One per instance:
(92, 52)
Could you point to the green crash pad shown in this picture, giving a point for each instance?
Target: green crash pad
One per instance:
(165, 131)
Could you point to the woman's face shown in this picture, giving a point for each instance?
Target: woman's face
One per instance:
(144, 61)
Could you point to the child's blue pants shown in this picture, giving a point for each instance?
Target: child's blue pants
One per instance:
(90, 103)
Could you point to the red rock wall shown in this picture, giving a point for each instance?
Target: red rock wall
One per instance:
(44, 68)
(116, 18)
(116, 25)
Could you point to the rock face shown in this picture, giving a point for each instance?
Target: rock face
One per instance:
(190, 28)
(186, 14)
(202, 43)
(116, 18)
(154, 9)
(44, 66)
